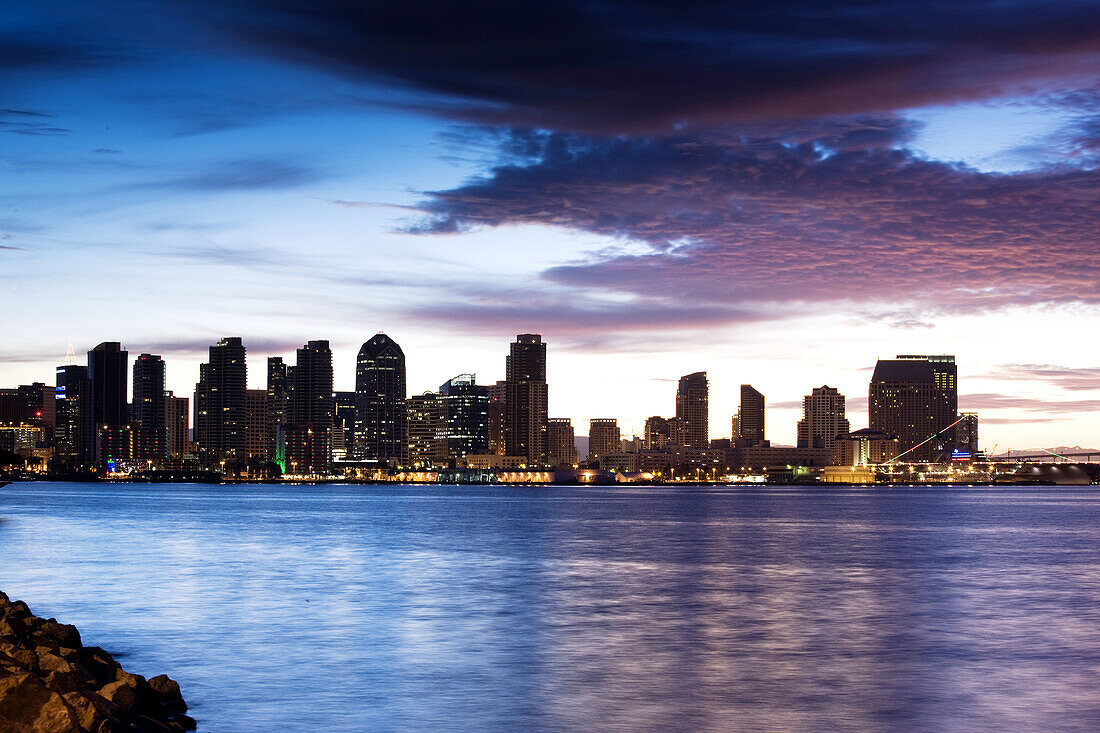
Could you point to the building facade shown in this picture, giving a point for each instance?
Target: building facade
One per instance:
(751, 416)
(220, 401)
(464, 416)
(915, 399)
(693, 409)
(822, 418)
(603, 437)
(107, 376)
(380, 423)
(177, 419)
(526, 399)
(561, 442)
(310, 411)
(147, 409)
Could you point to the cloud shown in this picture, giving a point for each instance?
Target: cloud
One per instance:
(29, 122)
(995, 401)
(1068, 378)
(637, 66)
(258, 173)
(755, 223)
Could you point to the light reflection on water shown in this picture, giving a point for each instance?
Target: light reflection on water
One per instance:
(346, 608)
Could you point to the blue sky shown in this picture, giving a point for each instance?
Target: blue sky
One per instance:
(776, 195)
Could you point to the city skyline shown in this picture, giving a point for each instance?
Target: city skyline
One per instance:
(749, 424)
(787, 207)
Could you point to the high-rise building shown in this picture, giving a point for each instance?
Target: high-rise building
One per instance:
(147, 416)
(257, 423)
(107, 367)
(277, 398)
(220, 401)
(423, 421)
(498, 418)
(31, 405)
(561, 443)
(656, 433)
(343, 428)
(603, 437)
(751, 414)
(966, 433)
(915, 398)
(310, 411)
(380, 431)
(70, 396)
(464, 415)
(822, 418)
(176, 416)
(526, 400)
(677, 431)
(693, 408)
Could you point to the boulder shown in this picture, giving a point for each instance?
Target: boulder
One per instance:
(51, 683)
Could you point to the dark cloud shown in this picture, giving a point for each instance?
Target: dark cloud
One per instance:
(29, 122)
(736, 221)
(631, 65)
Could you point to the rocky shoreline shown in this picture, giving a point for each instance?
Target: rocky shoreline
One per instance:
(51, 683)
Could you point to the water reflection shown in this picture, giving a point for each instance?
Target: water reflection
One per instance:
(475, 608)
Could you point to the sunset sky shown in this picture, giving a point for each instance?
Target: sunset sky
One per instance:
(775, 193)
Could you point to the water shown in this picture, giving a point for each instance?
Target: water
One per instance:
(351, 608)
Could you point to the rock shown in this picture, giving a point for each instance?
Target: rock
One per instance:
(51, 683)
(28, 706)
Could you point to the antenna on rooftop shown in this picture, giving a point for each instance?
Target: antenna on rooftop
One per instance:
(70, 353)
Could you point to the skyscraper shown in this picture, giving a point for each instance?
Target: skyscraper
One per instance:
(822, 418)
(423, 424)
(277, 398)
(107, 364)
(147, 412)
(176, 411)
(526, 400)
(561, 443)
(751, 423)
(380, 431)
(656, 432)
(498, 418)
(70, 398)
(693, 408)
(603, 437)
(464, 412)
(343, 428)
(915, 398)
(257, 423)
(220, 401)
(310, 411)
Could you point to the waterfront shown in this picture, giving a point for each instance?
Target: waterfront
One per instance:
(345, 608)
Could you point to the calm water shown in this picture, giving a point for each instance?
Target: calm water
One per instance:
(348, 608)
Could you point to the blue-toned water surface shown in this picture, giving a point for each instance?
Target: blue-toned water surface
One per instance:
(447, 608)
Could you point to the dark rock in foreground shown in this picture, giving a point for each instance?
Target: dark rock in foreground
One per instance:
(51, 683)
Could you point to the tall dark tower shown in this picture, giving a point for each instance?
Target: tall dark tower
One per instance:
(110, 431)
(277, 398)
(220, 399)
(693, 408)
(464, 412)
(914, 398)
(526, 400)
(148, 418)
(71, 398)
(310, 411)
(381, 432)
(751, 424)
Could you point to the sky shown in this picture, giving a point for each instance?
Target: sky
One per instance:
(774, 193)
